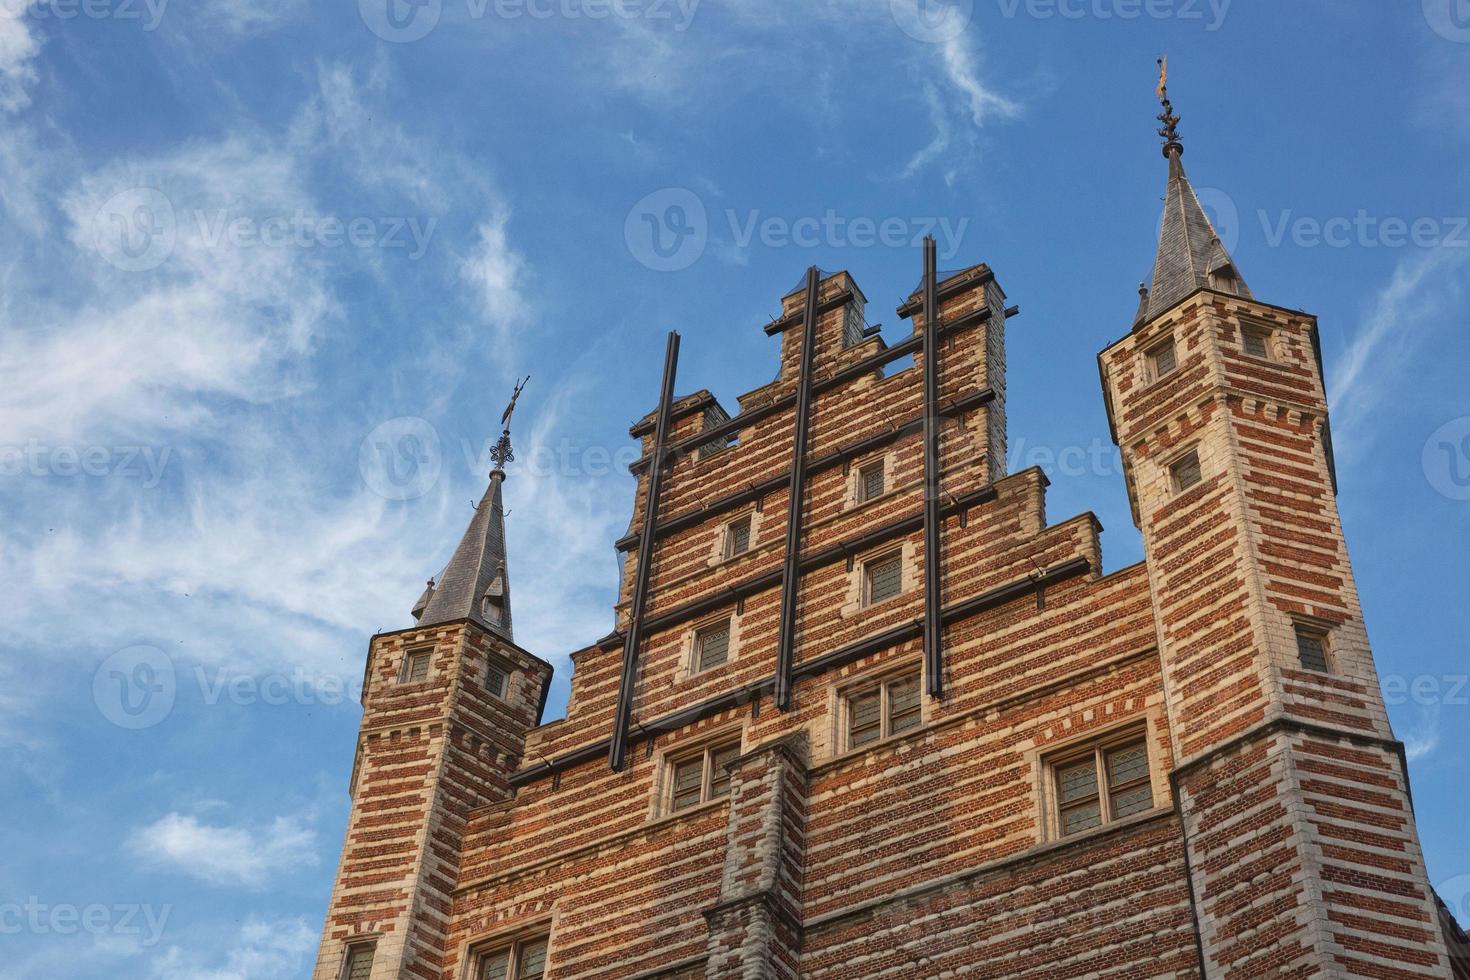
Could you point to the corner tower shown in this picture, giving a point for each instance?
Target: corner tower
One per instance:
(446, 707)
(1299, 827)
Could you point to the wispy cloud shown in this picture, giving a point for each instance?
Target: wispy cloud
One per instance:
(18, 49)
(226, 855)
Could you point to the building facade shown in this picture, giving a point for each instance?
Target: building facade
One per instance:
(867, 712)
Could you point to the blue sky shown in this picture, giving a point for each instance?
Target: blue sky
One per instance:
(268, 270)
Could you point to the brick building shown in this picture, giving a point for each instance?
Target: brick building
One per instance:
(845, 727)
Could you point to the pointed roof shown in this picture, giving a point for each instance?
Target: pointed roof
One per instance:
(1191, 256)
(475, 584)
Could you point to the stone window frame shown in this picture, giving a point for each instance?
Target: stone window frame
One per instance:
(405, 670)
(507, 673)
(1263, 330)
(865, 581)
(691, 661)
(843, 694)
(727, 536)
(704, 746)
(1176, 486)
(354, 946)
(854, 497)
(474, 951)
(1151, 373)
(1320, 630)
(1046, 759)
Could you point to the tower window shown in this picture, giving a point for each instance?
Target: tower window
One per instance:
(1161, 360)
(359, 963)
(882, 579)
(415, 667)
(1106, 781)
(702, 777)
(870, 481)
(497, 679)
(711, 645)
(1255, 341)
(737, 537)
(889, 707)
(1185, 471)
(522, 960)
(1311, 648)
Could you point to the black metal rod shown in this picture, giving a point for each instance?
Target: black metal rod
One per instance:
(933, 585)
(791, 577)
(619, 743)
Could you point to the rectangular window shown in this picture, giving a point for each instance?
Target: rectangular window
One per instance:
(359, 965)
(711, 645)
(1185, 471)
(1254, 341)
(1311, 648)
(497, 680)
(415, 666)
(523, 960)
(890, 707)
(1161, 360)
(1104, 782)
(870, 481)
(702, 777)
(737, 537)
(883, 579)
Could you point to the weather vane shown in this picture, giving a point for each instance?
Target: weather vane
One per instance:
(502, 454)
(1170, 130)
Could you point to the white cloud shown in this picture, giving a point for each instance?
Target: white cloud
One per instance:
(961, 68)
(248, 17)
(18, 47)
(497, 272)
(226, 855)
(263, 949)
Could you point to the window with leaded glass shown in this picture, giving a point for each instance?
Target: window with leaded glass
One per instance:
(887, 707)
(1255, 341)
(882, 579)
(711, 645)
(1311, 648)
(359, 963)
(870, 481)
(702, 776)
(737, 537)
(1185, 472)
(1107, 781)
(497, 679)
(521, 960)
(1162, 360)
(415, 666)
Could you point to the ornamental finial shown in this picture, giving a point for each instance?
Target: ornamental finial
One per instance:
(1170, 130)
(501, 453)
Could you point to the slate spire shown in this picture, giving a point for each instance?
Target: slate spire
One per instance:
(1191, 256)
(475, 585)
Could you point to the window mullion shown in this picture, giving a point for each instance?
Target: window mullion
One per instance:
(1104, 785)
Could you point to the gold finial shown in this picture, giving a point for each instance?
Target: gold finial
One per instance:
(1170, 130)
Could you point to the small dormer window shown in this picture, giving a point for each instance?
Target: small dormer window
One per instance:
(491, 610)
